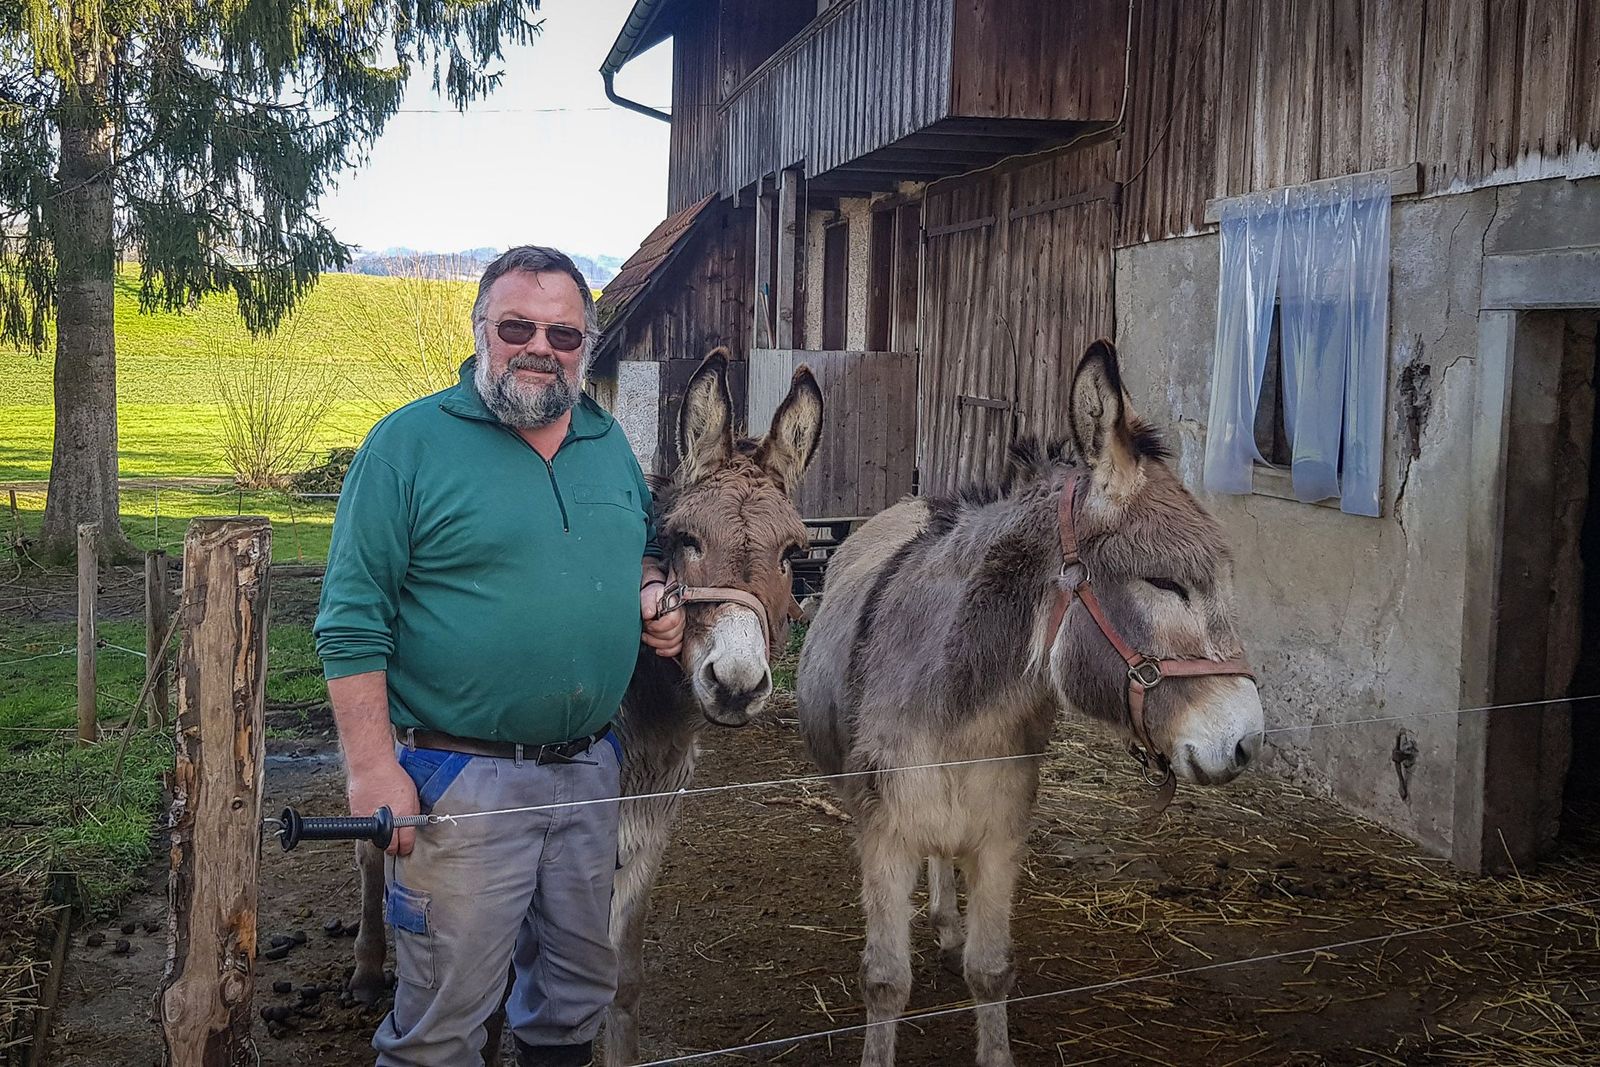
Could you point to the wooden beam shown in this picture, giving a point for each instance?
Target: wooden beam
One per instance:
(1106, 191)
(900, 171)
(788, 224)
(958, 227)
(1000, 146)
(88, 593)
(843, 183)
(931, 156)
(761, 305)
(216, 794)
(155, 624)
(1403, 181)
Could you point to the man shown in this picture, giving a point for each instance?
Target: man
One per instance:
(492, 559)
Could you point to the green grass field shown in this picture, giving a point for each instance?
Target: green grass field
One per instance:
(63, 809)
(167, 365)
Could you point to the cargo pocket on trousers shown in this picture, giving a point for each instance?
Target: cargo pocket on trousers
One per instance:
(407, 911)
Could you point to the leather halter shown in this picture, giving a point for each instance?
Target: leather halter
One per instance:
(677, 594)
(1144, 672)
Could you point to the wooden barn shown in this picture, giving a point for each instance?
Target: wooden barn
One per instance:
(1349, 249)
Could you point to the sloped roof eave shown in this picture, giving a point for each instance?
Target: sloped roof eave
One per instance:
(634, 283)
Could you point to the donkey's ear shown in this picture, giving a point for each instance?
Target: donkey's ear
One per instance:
(796, 428)
(705, 423)
(1102, 424)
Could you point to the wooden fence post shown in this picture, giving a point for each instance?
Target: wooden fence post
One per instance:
(216, 796)
(155, 624)
(88, 593)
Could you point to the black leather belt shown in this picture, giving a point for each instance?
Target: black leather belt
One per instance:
(557, 752)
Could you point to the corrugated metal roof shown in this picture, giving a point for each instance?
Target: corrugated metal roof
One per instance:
(646, 266)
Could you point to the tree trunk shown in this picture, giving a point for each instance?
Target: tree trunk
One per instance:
(83, 463)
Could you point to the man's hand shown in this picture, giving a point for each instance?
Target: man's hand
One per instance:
(373, 776)
(663, 635)
(374, 787)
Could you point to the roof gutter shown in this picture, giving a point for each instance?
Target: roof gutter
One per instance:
(633, 31)
(631, 105)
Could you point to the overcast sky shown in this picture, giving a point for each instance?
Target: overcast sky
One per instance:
(544, 160)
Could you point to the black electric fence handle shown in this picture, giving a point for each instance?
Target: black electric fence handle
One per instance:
(379, 827)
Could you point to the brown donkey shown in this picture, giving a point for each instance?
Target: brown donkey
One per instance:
(729, 526)
(954, 629)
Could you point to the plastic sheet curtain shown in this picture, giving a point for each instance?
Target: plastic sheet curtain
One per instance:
(1323, 252)
(1252, 231)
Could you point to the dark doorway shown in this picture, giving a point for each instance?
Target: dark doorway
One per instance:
(1580, 816)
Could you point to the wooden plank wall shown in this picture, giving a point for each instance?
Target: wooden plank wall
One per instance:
(753, 30)
(865, 459)
(694, 162)
(1232, 96)
(675, 375)
(1018, 276)
(704, 299)
(867, 74)
(1039, 59)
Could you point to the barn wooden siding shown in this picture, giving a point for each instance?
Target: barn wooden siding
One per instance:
(703, 300)
(865, 459)
(694, 148)
(1018, 274)
(1233, 96)
(867, 74)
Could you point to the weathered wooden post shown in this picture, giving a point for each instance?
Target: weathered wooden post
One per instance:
(155, 625)
(216, 796)
(88, 593)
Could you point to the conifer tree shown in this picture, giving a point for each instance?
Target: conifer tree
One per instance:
(196, 136)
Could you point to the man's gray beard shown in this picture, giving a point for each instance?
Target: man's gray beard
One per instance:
(526, 405)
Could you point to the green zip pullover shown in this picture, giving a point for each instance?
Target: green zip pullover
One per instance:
(499, 591)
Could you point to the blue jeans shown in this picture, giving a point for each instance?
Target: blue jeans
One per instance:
(475, 898)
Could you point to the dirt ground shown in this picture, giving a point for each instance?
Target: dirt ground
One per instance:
(755, 933)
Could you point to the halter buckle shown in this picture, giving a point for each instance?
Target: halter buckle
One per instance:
(672, 598)
(1146, 674)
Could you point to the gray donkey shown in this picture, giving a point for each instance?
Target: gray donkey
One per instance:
(728, 526)
(954, 629)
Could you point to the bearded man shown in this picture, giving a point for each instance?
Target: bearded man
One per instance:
(492, 570)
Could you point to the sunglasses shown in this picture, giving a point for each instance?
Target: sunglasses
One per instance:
(520, 331)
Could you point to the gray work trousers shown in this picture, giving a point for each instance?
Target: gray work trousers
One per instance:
(531, 889)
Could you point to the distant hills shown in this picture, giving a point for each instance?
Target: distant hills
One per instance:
(468, 265)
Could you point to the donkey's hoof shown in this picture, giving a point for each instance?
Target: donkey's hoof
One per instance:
(367, 989)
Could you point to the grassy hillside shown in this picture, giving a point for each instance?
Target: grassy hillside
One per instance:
(167, 366)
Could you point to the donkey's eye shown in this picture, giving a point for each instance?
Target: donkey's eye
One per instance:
(1167, 585)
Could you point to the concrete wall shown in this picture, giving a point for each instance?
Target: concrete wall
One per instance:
(859, 213)
(1345, 617)
(637, 406)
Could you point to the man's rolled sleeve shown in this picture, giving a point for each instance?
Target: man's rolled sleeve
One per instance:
(367, 562)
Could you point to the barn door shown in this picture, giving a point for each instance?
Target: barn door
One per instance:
(1018, 269)
(968, 374)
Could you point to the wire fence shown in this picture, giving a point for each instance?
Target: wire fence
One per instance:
(1118, 983)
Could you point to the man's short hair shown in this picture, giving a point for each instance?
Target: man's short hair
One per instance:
(536, 259)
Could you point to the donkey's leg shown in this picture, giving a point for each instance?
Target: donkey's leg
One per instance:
(991, 881)
(367, 984)
(646, 826)
(888, 875)
(942, 912)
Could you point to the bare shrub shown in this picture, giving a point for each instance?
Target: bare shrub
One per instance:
(420, 336)
(272, 405)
